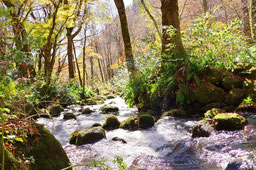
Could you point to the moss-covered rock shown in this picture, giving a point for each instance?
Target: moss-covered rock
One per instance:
(213, 112)
(230, 82)
(55, 110)
(86, 111)
(175, 113)
(229, 121)
(90, 101)
(235, 97)
(111, 123)
(203, 129)
(68, 116)
(96, 125)
(146, 121)
(130, 123)
(252, 73)
(215, 76)
(208, 89)
(87, 136)
(48, 152)
(109, 110)
(10, 163)
(110, 97)
(246, 107)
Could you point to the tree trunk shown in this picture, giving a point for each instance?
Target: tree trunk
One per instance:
(205, 6)
(92, 76)
(170, 17)
(126, 38)
(77, 65)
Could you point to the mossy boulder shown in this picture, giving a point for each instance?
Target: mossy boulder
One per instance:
(90, 101)
(87, 136)
(208, 89)
(246, 107)
(235, 97)
(110, 97)
(48, 152)
(68, 116)
(10, 162)
(109, 110)
(203, 129)
(146, 121)
(229, 121)
(111, 123)
(55, 110)
(96, 125)
(86, 111)
(213, 112)
(175, 113)
(251, 73)
(130, 123)
(230, 82)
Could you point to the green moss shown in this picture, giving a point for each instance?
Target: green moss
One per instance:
(146, 121)
(55, 110)
(129, 124)
(229, 121)
(10, 162)
(48, 152)
(109, 110)
(111, 123)
(87, 136)
(213, 112)
(175, 113)
(205, 120)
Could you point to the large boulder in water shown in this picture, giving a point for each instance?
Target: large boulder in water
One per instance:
(229, 121)
(203, 129)
(87, 136)
(68, 116)
(175, 113)
(47, 152)
(146, 121)
(130, 123)
(235, 97)
(86, 111)
(111, 123)
(207, 89)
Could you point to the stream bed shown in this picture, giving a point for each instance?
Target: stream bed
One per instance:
(167, 145)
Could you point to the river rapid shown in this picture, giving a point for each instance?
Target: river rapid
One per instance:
(167, 145)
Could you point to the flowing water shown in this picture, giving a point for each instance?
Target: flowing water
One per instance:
(167, 145)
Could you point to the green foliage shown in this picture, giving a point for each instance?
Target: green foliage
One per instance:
(217, 44)
(121, 164)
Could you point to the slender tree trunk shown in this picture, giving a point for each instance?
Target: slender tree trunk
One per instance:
(246, 18)
(126, 38)
(92, 76)
(170, 17)
(205, 6)
(77, 65)
(70, 54)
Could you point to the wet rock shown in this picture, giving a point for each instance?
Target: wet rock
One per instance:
(55, 110)
(129, 124)
(119, 139)
(230, 82)
(175, 113)
(109, 110)
(87, 136)
(229, 121)
(235, 97)
(146, 121)
(86, 111)
(203, 129)
(213, 112)
(68, 116)
(234, 165)
(207, 89)
(111, 123)
(96, 125)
